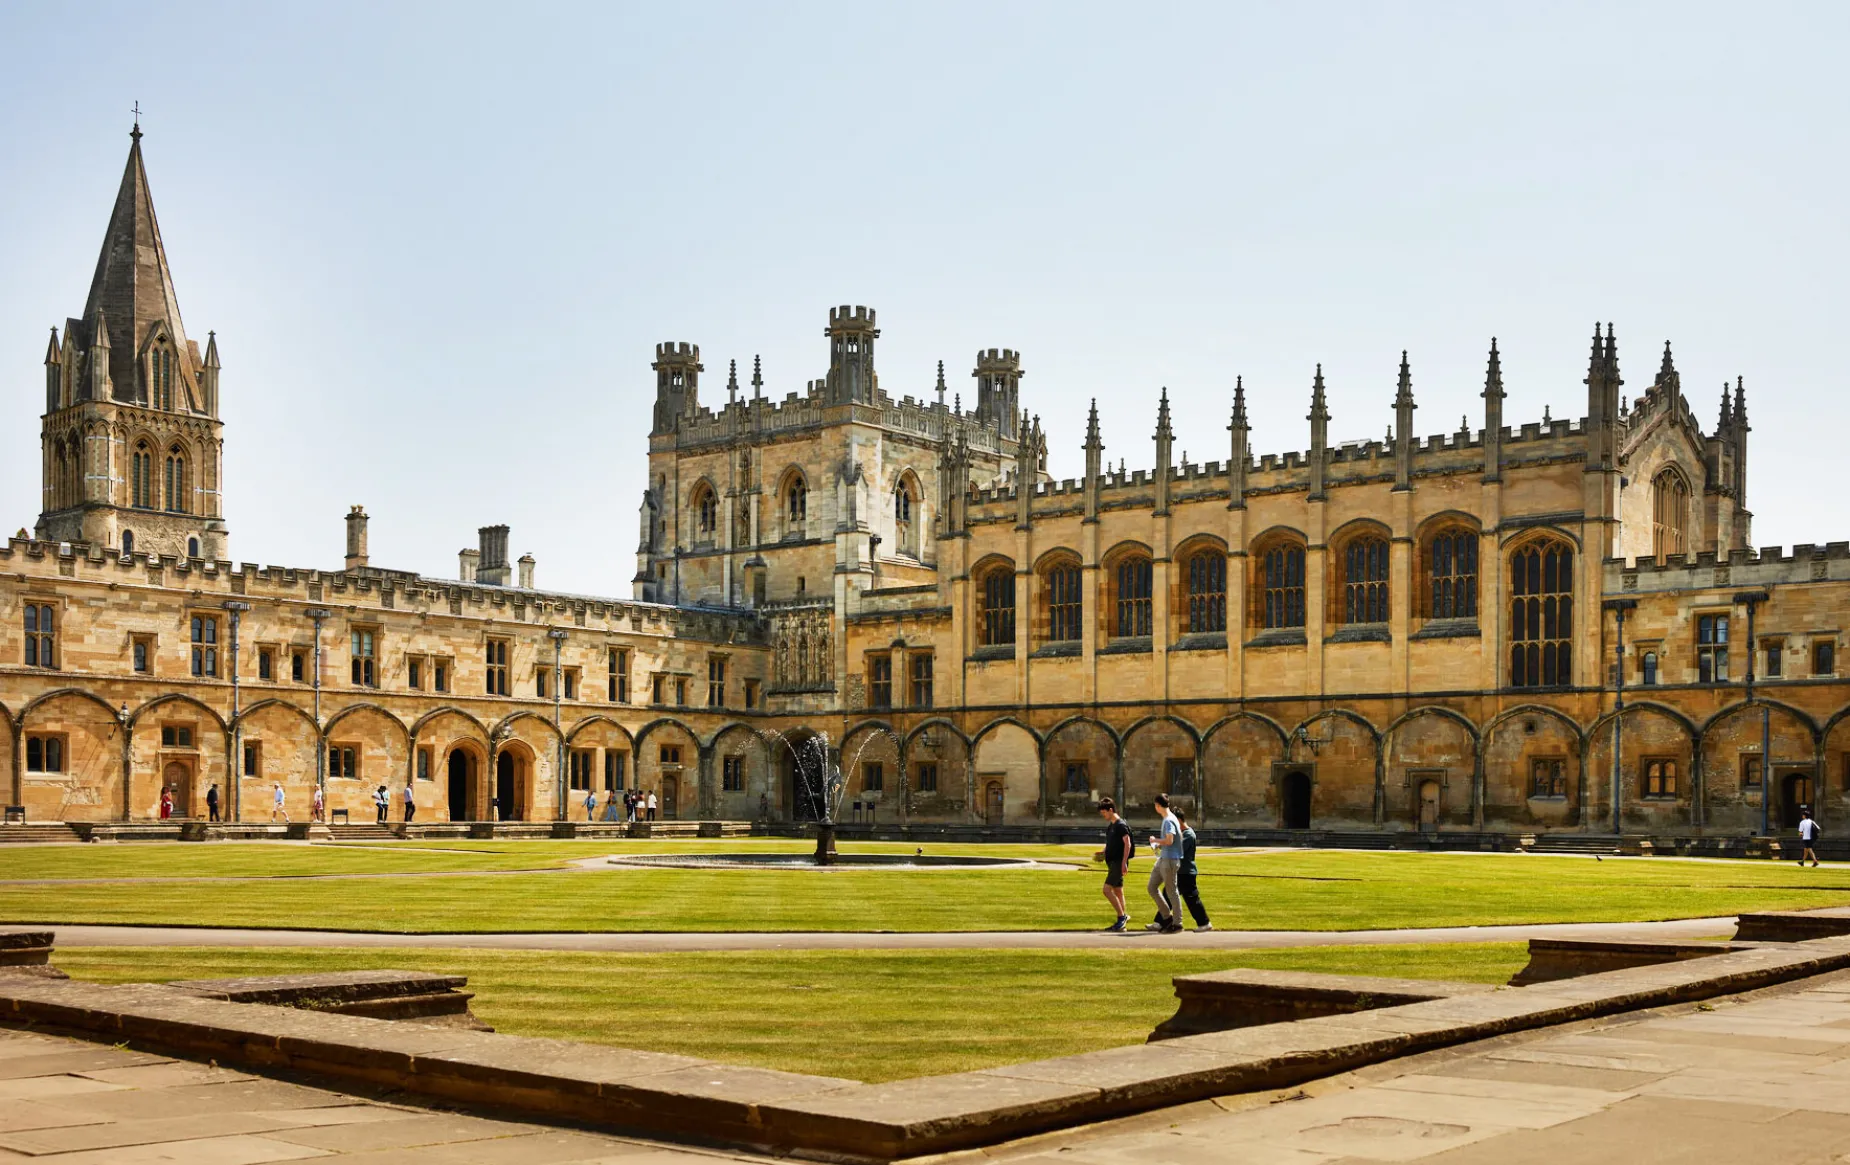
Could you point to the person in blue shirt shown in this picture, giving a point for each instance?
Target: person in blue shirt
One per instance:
(1168, 846)
(1185, 877)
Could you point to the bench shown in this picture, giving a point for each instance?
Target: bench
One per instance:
(339, 815)
(15, 814)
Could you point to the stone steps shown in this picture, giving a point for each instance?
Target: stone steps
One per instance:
(43, 832)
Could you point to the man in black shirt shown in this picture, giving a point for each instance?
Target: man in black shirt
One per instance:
(1116, 855)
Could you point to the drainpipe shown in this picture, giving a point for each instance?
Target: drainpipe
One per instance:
(1618, 607)
(558, 773)
(1752, 600)
(236, 784)
(321, 744)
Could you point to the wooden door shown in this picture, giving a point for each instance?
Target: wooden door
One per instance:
(1429, 806)
(992, 803)
(178, 777)
(671, 797)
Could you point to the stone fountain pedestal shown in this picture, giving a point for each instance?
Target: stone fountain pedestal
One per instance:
(825, 843)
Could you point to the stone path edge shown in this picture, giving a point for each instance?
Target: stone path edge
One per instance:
(685, 1099)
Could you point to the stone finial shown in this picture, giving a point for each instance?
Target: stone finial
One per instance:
(732, 384)
(1493, 374)
(1740, 402)
(757, 378)
(1667, 371)
(940, 384)
(1319, 407)
(1403, 395)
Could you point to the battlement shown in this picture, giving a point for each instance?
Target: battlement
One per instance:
(211, 582)
(673, 352)
(1737, 569)
(997, 360)
(857, 319)
(762, 416)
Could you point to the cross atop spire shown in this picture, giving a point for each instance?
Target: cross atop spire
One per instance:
(135, 132)
(1667, 371)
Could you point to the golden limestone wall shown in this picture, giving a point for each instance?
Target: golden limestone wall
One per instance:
(92, 738)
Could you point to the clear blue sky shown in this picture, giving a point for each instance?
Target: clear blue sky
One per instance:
(438, 242)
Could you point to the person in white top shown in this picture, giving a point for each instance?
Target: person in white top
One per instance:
(319, 803)
(1808, 833)
(651, 804)
(411, 802)
(276, 806)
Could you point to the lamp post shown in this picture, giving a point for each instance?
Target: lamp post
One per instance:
(1618, 607)
(1752, 601)
(557, 635)
(236, 782)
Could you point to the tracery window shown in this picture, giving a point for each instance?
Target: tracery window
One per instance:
(1541, 615)
(176, 480)
(1132, 613)
(1452, 575)
(1365, 580)
(1065, 605)
(141, 476)
(1281, 585)
(796, 502)
(1660, 778)
(996, 621)
(1207, 592)
(706, 512)
(1669, 513)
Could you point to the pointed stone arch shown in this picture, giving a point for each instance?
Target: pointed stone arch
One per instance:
(90, 780)
(1342, 749)
(1082, 757)
(1651, 733)
(178, 698)
(1727, 741)
(1240, 759)
(1431, 750)
(1530, 752)
(1007, 764)
(1160, 754)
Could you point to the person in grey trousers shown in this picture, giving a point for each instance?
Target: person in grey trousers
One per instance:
(1163, 876)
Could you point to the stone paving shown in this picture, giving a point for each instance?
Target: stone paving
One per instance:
(1754, 1079)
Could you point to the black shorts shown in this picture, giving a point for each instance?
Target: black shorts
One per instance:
(1114, 876)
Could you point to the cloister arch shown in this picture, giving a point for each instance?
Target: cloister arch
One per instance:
(1081, 757)
(1730, 750)
(1161, 755)
(1008, 773)
(1430, 769)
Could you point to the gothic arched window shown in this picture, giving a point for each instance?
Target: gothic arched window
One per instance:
(996, 611)
(1669, 513)
(1065, 605)
(176, 480)
(141, 476)
(1541, 615)
(1131, 596)
(1451, 575)
(1207, 591)
(706, 511)
(1365, 580)
(796, 502)
(128, 542)
(1280, 589)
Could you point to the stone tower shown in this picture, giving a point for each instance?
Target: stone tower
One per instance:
(851, 336)
(677, 384)
(998, 389)
(132, 441)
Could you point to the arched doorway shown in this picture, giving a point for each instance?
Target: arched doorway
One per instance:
(510, 787)
(993, 806)
(462, 785)
(1294, 792)
(1429, 806)
(671, 797)
(804, 765)
(1794, 795)
(178, 777)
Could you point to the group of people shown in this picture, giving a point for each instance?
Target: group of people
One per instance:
(632, 804)
(1173, 884)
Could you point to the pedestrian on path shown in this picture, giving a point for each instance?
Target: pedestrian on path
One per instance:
(610, 805)
(590, 804)
(318, 804)
(212, 803)
(1185, 877)
(411, 802)
(276, 805)
(1117, 856)
(1808, 833)
(651, 804)
(1162, 887)
(381, 803)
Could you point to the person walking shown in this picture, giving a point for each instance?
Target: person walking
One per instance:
(610, 805)
(1162, 887)
(276, 805)
(381, 803)
(590, 804)
(411, 802)
(1117, 858)
(1808, 833)
(212, 803)
(651, 804)
(318, 804)
(166, 802)
(1185, 877)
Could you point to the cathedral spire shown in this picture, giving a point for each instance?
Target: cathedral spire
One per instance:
(1493, 415)
(1403, 427)
(1165, 442)
(133, 286)
(1236, 462)
(1094, 449)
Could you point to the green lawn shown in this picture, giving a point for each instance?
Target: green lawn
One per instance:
(1304, 889)
(866, 1015)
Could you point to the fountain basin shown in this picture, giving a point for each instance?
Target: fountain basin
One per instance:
(800, 861)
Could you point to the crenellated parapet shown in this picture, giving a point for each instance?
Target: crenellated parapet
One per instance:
(1745, 568)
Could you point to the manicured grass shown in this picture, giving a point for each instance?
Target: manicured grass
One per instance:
(865, 1015)
(1308, 889)
(261, 860)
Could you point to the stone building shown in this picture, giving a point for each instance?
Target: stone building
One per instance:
(1422, 632)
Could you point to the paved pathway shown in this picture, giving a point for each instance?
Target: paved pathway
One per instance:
(179, 936)
(1749, 1080)
(68, 1102)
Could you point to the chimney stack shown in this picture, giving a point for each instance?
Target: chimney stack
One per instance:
(493, 569)
(356, 537)
(466, 563)
(526, 572)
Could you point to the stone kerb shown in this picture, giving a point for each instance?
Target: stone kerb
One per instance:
(692, 1100)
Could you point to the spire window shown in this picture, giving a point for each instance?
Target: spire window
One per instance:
(160, 376)
(176, 480)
